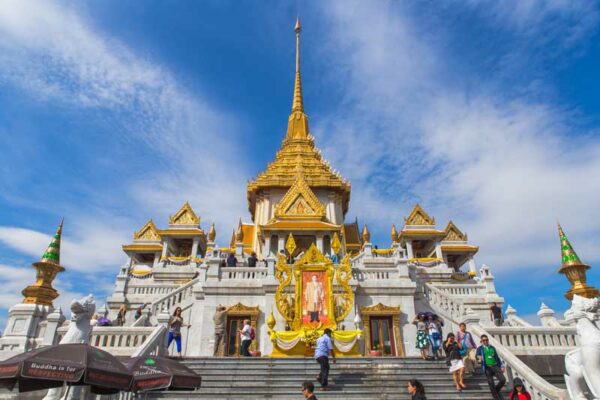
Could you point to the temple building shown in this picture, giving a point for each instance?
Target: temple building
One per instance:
(296, 266)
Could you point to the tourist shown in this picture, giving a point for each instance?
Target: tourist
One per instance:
(121, 315)
(322, 349)
(94, 320)
(219, 321)
(422, 338)
(467, 348)
(104, 321)
(308, 390)
(138, 311)
(454, 361)
(246, 338)
(252, 260)
(416, 390)
(519, 392)
(375, 248)
(175, 325)
(434, 329)
(491, 366)
(231, 260)
(496, 315)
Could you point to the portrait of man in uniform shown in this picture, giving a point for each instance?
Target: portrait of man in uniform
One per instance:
(314, 297)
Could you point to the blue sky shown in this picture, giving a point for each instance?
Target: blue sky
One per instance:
(485, 113)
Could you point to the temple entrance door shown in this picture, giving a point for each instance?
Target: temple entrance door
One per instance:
(382, 337)
(234, 324)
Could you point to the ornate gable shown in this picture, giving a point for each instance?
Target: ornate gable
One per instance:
(185, 216)
(148, 232)
(300, 202)
(418, 216)
(453, 234)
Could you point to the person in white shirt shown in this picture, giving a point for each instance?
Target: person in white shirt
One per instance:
(246, 338)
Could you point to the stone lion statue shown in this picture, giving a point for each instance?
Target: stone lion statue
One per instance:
(79, 331)
(583, 363)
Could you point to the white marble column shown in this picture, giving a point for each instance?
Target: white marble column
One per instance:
(472, 267)
(281, 242)
(409, 249)
(267, 247)
(195, 243)
(320, 242)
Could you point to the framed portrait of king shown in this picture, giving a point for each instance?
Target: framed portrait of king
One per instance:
(314, 307)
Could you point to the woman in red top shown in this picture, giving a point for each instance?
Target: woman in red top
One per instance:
(519, 392)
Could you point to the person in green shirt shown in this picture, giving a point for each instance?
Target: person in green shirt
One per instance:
(491, 366)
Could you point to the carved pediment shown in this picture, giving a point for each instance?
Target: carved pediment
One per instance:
(379, 309)
(241, 309)
(453, 234)
(313, 256)
(185, 216)
(418, 216)
(148, 232)
(300, 202)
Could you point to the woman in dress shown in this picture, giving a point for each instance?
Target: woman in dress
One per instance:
(422, 338)
(454, 361)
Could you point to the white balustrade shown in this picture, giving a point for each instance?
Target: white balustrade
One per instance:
(362, 275)
(242, 273)
(536, 339)
(462, 289)
(117, 340)
(150, 289)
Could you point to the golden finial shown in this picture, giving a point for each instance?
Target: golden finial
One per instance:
(212, 233)
(239, 234)
(297, 104)
(366, 235)
(336, 244)
(574, 270)
(394, 234)
(271, 321)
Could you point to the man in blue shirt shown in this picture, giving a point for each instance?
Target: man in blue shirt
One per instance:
(322, 349)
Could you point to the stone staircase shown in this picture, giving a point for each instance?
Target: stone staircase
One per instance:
(351, 378)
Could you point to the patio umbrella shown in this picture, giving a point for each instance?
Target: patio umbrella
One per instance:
(73, 363)
(154, 373)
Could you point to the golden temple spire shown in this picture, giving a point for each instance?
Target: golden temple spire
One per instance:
(366, 235)
(297, 103)
(212, 233)
(298, 121)
(394, 234)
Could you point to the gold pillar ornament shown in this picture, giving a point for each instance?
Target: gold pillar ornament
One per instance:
(212, 233)
(366, 235)
(290, 244)
(42, 292)
(574, 270)
(271, 321)
(394, 234)
(336, 244)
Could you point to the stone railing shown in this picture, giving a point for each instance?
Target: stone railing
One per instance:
(453, 309)
(242, 273)
(362, 275)
(117, 340)
(154, 345)
(524, 340)
(174, 297)
(150, 289)
(462, 289)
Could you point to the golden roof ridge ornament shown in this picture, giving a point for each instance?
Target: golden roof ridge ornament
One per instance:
(298, 121)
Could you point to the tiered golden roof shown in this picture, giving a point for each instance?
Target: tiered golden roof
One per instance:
(298, 148)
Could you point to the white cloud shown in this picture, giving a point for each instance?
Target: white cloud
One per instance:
(504, 170)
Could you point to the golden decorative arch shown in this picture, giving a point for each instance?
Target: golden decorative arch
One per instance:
(147, 232)
(300, 202)
(185, 216)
